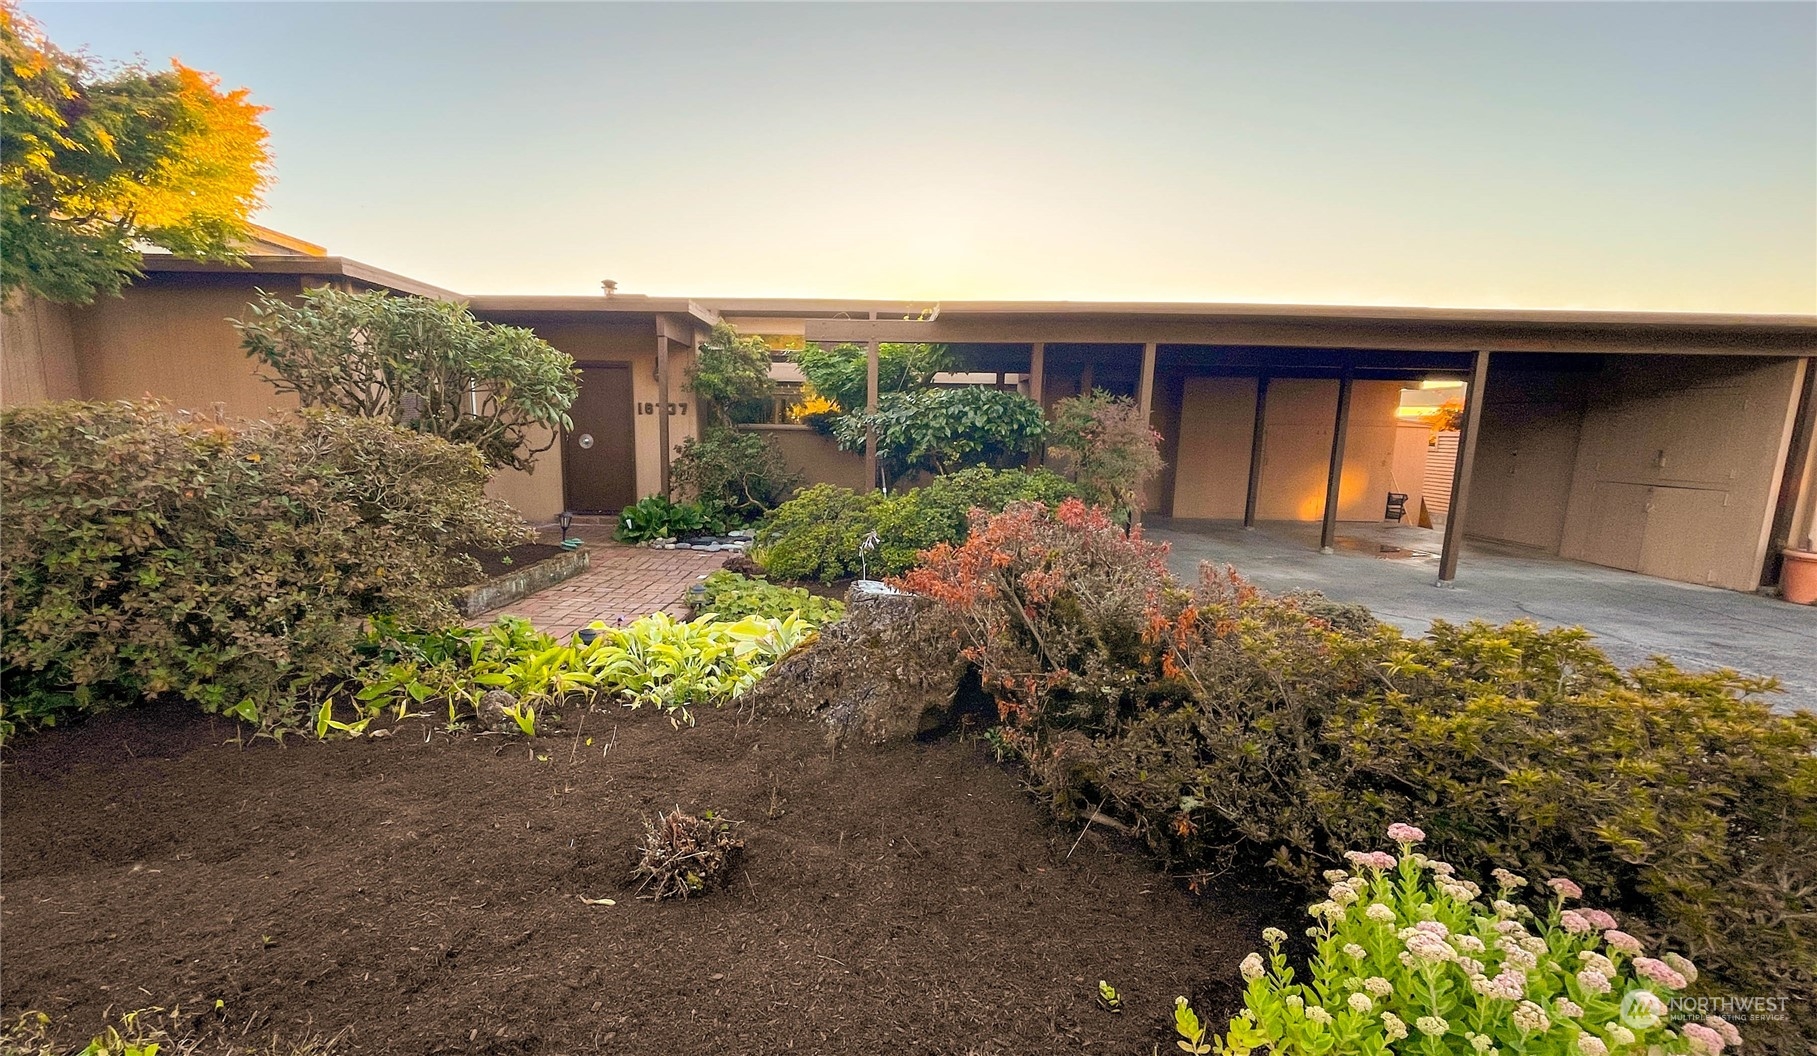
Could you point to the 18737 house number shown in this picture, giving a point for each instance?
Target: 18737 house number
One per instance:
(649, 407)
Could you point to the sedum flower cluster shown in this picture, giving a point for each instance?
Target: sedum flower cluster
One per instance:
(1413, 959)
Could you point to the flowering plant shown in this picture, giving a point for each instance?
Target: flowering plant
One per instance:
(1410, 959)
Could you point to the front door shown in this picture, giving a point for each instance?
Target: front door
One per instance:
(599, 459)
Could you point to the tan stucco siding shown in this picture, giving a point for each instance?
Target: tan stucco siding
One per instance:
(1526, 456)
(536, 495)
(1678, 468)
(1216, 423)
(815, 458)
(37, 354)
(175, 343)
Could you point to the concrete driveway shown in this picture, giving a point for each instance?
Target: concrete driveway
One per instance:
(1392, 569)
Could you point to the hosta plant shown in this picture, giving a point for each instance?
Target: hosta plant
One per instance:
(1409, 957)
(672, 664)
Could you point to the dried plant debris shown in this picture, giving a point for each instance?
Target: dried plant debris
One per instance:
(685, 854)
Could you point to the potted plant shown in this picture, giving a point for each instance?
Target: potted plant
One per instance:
(1798, 576)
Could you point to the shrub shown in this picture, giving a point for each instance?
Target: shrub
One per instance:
(1229, 723)
(731, 377)
(664, 662)
(943, 430)
(418, 363)
(658, 517)
(817, 534)
(839, 373)
(740, 472)
(1111, 450)
(684, 855)
(1408, 958)
(731, 596)
(145, 553)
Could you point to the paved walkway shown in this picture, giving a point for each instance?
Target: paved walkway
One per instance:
(620, 584)
(1392, 570)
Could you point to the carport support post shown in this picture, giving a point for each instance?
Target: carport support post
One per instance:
(1255, 452)
(662, 409)
(870, 406)
(1037, 376)
(1466, 467)
(1328, 533)
(1145, 404)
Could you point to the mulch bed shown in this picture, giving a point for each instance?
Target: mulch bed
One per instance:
(424, 892)
(494, 563)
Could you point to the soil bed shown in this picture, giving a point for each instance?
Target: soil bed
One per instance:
(494, 563)
(424, 892)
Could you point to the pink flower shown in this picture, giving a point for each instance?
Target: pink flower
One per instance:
(1703, 1039)
(1574, 922)
(1593, 981)
(1658, 971)
(1622, 941)
(1403, 833)
(1598, 918)
(1565, 888)
(1371, 859)
(1723, 1027)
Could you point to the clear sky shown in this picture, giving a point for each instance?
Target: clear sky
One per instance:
(1618, 155)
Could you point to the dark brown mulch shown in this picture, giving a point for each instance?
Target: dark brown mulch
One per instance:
(495, 563)
(425, 891)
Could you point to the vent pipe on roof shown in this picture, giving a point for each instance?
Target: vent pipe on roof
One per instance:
(610, 286)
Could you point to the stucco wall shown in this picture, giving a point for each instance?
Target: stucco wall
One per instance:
(173, 342)
(815, 457)
(1216, 421)
(1526, 455)
(37, 354)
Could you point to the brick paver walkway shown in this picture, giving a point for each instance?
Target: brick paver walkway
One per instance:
(620, 584)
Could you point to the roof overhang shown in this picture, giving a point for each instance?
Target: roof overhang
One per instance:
(327, 268)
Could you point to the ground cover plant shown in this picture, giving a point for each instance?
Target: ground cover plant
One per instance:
(732, 596)
(817, 534)
(659, 517)
(510, 675)
(1409, 957)
(1223, 725)
(147, 553)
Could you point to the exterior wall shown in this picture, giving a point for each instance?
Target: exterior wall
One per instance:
(37, 354)
(173, 342)
(535, 495)
(1216, 420)
(1526, 456)
(1678, 466)
(815, 457)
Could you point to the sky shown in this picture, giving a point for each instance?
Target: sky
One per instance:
(1630, 155)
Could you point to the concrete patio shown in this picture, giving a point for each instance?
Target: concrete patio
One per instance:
(1392, 569)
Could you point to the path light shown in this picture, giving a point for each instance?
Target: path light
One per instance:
(866, 587)
(566, 521)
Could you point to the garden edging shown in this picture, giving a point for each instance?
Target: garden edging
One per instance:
(500, 591)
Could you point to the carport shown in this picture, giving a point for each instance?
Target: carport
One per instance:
(1673, 444)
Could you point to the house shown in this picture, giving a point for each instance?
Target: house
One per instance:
(1673, 444)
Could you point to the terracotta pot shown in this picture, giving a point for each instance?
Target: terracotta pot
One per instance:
(1798, 577)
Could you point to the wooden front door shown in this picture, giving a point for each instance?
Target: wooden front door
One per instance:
(599, 455)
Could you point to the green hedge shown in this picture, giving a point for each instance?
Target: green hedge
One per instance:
(816, 534)
(146, 553)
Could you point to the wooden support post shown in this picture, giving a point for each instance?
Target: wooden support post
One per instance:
(1145, 388)
(1256, 440)
(1466, 468)
(1328, 533)
(1037, 376)
(870, 405)
(662, 409)
(1085, 379)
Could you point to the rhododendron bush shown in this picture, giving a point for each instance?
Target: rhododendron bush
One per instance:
(1410, 957)
(1227, 726)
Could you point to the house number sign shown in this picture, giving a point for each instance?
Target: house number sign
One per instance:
(649, 407)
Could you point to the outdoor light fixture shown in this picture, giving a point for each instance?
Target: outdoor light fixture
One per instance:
(566, 521)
